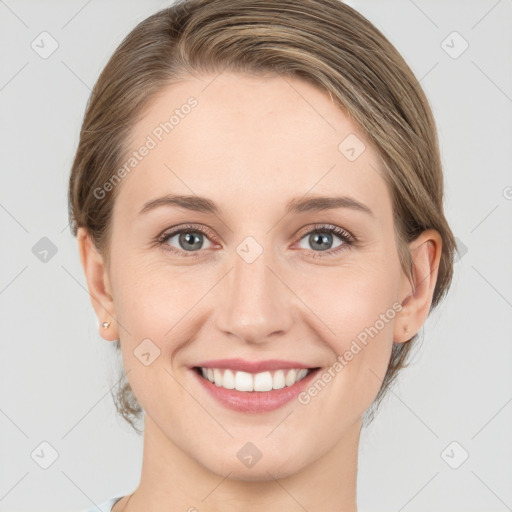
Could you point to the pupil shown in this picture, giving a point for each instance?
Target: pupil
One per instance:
(188, 238)
(318, 239)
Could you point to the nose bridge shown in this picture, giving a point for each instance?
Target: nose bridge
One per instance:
(254, 304)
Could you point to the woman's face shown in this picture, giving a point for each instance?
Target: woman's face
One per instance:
(252, 281)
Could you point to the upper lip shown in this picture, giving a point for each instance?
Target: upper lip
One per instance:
(242, 365)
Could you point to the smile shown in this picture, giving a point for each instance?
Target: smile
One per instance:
(252, 386)
(260, 382)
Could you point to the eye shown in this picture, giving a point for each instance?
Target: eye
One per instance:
(320, 239)
(189, 239)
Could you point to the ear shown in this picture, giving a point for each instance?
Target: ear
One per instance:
(416, 297)
(98, 284)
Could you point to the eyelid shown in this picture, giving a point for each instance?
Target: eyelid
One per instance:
(177, 229)
(337, 230)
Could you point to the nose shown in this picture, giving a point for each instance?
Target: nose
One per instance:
(255, 305)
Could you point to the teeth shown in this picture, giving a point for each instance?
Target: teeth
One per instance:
(263, 381)
(291, 376)
(229, 380)
(244, 381)
(217, 377)
(302, 373)
(278, 382)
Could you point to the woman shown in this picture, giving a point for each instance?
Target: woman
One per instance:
(258, 201)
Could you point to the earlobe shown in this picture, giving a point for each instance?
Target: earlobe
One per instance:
(416, 295)
(98, 285)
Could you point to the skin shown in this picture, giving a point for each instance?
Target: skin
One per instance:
(250, 145)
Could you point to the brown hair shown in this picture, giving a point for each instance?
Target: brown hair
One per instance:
(324, 42)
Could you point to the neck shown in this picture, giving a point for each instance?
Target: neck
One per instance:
(172, 480)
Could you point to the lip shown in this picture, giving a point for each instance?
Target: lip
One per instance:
(242, 365)
(254, 401)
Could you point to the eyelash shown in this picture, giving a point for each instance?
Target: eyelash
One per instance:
(348, 239)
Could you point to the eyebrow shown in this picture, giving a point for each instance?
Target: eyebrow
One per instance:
(297, 205)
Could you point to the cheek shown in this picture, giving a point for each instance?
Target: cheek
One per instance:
(160, 309)
(156, 309)
(356, 307)
(153, 295)
(353, 296)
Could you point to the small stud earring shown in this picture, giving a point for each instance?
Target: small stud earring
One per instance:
(105, 325)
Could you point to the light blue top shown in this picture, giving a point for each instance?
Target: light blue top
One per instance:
(106, 506)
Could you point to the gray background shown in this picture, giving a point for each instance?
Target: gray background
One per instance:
(56, 372)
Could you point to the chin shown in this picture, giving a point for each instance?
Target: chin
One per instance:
(265, 469)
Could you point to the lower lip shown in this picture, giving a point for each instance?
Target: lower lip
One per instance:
(255, 401)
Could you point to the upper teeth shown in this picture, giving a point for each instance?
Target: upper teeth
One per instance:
(243, 381)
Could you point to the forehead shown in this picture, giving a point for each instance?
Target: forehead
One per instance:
(241, 139)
